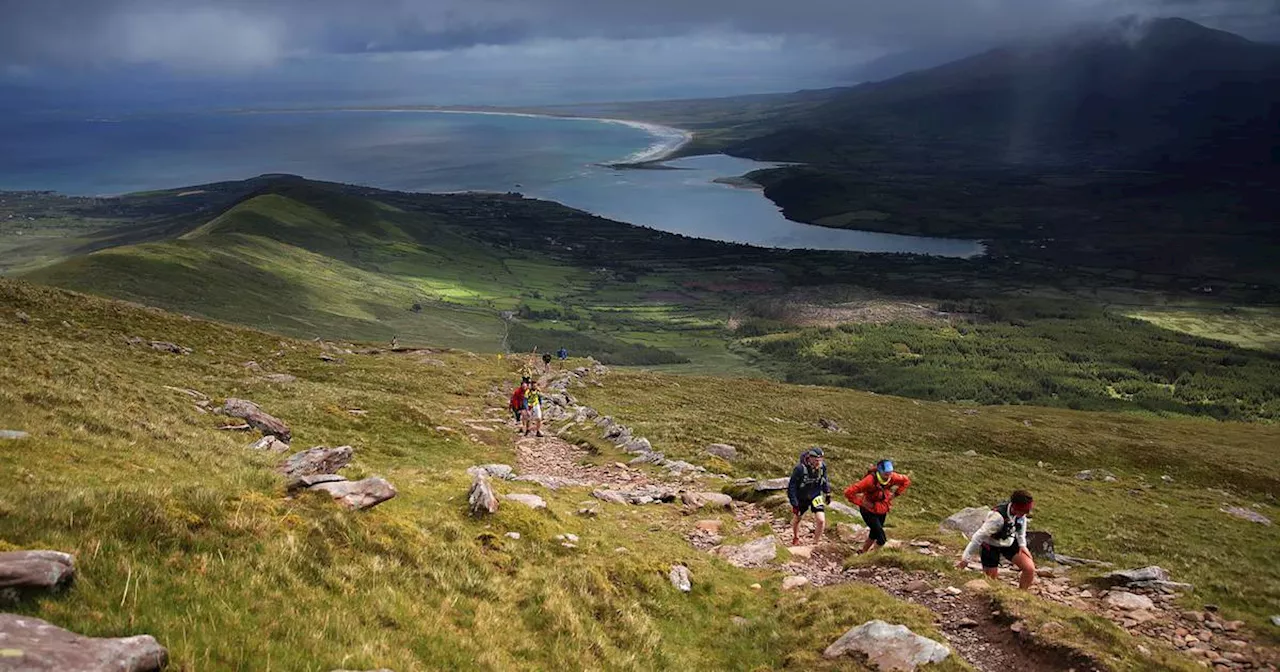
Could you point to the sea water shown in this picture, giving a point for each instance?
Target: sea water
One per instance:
(565, 160)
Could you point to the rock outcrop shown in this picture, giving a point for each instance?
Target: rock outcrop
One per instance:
(723, 451)
(532, 501)
(966, 521)
(29, 571)
(316, 461)
(751, 554)
(680, 578)
(32, 645)
(358, 495)
(890, 648)
(480, 498)
(256, 418)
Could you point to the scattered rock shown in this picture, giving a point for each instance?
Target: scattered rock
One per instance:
(750, 554)
(711, 525)
(1126, 577)
(890, 648)
(773, 484)
(32, 645)
(841, 507)
(161, 346)
(851, 532)
(829, 425)
(917, 586)
(805, 552)
(1167, 478)
(1246, 514)
(480, 498)
(977, 586)
(966, 521)
(1040, 543)
(531, 501)
(23, 571)
(513, 535)
(1096, 475)
(1129, 601)
(970, 453)
(610, 496)
(315, 461)
(13, 434)
(756, 586)
(739, 621)
(304, 482)
(499, 471)
(270, 443)
(256, 417)
(280, 378)
(793, 582)
(1275, 620)
(699, 500)
(359, 495)
(680, 578)
(723, 451)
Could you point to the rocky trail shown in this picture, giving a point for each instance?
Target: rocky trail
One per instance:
(1141, 601)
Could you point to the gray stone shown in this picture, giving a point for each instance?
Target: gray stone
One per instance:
(680, 466)
(13, 434)
(1040, 543)
(829, 425)
(723, 451)
(610, 496)
(1096, 475)
(649, 458)
(270, 443)
(890, 648)
(970, 453)
(32, 645)
(712, 500)
(480, 498)
(751, 554)
(793, 582)
(1275, 620)
(531, 501)
(773, 484)
(502, 472)
(280, 378)
(36, 570)
(304, 482)
(552, 482)
(363, 494)
(640, 445)
(315, 461)
(256, 417)
(966, 521)
(841, 507)
(680, 578)
(1126, 577)
(1246, 514)
(1129, 601)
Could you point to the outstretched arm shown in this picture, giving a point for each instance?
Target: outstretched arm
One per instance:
(902, 485)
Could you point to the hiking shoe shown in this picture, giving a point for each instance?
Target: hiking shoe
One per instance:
(539, 435)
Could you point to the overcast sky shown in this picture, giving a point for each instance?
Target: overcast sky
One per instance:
(499, 51)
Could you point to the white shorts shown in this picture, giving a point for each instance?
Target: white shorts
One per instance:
(535, 412)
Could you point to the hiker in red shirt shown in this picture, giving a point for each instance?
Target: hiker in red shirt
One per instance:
(874, 497)
(518, 404)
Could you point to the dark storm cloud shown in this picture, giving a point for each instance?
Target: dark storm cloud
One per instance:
(246, 33)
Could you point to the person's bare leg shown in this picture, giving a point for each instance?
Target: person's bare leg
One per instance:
(1024, 562)
(795, 529)
(819, 527)
(992, 573)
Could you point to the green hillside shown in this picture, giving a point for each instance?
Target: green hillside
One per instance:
(183, 533)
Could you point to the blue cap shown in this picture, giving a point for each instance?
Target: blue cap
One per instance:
(885, 466)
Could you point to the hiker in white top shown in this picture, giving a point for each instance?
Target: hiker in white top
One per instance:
(1004, 535)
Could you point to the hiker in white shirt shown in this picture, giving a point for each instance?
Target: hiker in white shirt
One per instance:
(1004, 535)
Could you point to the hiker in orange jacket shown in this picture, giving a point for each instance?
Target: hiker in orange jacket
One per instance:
(873, 496)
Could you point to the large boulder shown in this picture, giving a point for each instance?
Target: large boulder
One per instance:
(270, 443)
(890, 648)
(773, 484)
(966, 521)
(23, 571)
(1130, 577)
(723, 451)
(32, 645)
(256, 417)
(364, 494)
(316, 461)
(751, 554)
(1246, 514)
(610, 496)
(1040, 543)
(1128, 601)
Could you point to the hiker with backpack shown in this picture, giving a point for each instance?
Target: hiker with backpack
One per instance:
(874, 495)
(517, 404)
(533, 412)
(809, 490)
(563, 353)
(1004, 535)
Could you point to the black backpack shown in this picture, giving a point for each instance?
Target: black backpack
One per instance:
(1010, 523)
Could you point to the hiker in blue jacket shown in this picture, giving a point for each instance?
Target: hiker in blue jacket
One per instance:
(809, 490)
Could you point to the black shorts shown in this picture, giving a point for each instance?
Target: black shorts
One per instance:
(807, 505)
(991, 555)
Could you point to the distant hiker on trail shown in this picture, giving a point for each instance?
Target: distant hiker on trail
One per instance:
(546, 362)
(563, 354)
(1004, 535)
(873, 496)
(517, 399)
(809, 490)
(533, 406)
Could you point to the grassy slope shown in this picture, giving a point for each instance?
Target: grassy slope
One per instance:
(1138, 520)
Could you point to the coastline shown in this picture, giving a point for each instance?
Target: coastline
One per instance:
(668, 140)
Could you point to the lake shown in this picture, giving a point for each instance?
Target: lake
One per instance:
(552, 158)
